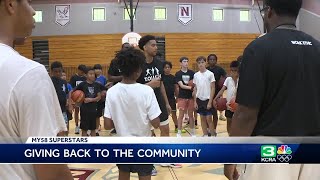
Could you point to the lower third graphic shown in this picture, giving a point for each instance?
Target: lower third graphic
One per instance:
(270, 154)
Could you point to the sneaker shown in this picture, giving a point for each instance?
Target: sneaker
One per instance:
(97, 134)
(113, 131)
(178, 135)
(154, 171)
(172, 165)
(77, 130)
(182, 131)
(209, 134)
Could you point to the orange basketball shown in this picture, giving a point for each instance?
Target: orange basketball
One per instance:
(221, 82)
(221, 104)
(77, 96)
(233, 105)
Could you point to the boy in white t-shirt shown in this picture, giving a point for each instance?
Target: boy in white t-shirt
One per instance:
(204, 82)
(231, 85)
(132, 108)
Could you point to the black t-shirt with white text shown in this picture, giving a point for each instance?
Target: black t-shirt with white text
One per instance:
(184, 77)
(169, 82)
(149, 72)
(76, 80)
(61, 89)
(90, 91)
(279, 75)
(218, 73)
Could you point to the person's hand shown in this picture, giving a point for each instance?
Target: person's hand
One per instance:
(228, 106)
(168, 108)
(231, 172)
(209, 105)
(109, 85)
(195, 106)
(155, 83)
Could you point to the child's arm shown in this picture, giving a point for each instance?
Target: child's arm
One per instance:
(182, 86)
(155, 123)
(194, 95)
(176, 90)
(212, 92)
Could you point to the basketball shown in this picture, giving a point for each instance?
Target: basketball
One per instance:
(221, 82)
(77, 96)
(221, 104)
(103, 95)
(233, 105)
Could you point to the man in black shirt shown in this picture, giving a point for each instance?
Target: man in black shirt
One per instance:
(61, 88)
(275, 70)
(75, 81)
(219, 73)
(114, 74)
(152, 75)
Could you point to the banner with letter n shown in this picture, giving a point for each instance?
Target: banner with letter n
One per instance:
(185, 13)
(62, 14)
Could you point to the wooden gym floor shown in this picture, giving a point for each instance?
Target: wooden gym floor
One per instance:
(187, 172)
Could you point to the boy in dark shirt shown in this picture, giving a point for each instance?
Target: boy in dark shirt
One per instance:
(61, 88)
(88, 109)
(75, 81)
(171, 86)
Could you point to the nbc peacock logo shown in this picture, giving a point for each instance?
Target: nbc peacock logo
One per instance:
(284, 153)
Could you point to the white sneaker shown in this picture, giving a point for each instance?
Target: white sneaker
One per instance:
(77, 130)
(178, 135)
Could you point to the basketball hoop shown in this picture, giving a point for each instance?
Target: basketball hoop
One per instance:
(132, 38)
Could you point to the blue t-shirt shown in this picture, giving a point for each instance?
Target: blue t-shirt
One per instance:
(102, 80)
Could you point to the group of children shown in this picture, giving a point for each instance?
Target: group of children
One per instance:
(93, 84)
(199, 92)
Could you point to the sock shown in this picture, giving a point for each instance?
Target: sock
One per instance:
(192, 131)
(215, 131)
(179, 131)
(97, 130)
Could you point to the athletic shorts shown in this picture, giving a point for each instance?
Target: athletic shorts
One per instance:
(173, 104)
(229, 114)
(202, 108)
(100, 108)
(88, 120)
(141, 169)
(186, 104)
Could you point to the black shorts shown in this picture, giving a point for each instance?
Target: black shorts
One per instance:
(141, 169)
(202, 108)
(100, 108)
(88, 120)
(229, 114)
(173, 104)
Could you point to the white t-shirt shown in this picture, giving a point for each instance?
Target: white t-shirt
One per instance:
(132, 107)
(203, 83)
(29, 106)
(231, 88)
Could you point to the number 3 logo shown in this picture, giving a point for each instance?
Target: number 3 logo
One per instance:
(268, 151)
